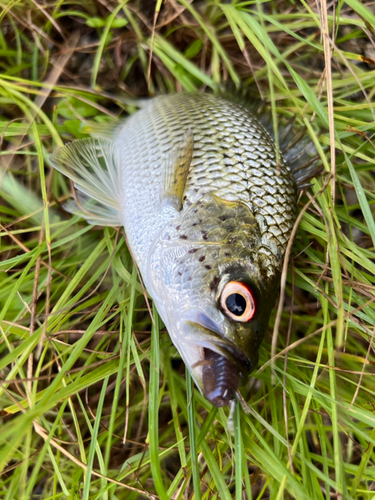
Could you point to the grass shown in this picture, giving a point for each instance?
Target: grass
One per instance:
(94, 400)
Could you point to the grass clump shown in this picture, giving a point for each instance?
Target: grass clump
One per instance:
(94, 402)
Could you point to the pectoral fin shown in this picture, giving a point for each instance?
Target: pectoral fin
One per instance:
(175, 173)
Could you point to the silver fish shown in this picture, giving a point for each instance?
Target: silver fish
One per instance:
(207, 208)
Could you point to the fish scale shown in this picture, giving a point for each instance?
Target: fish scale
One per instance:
(207, 211)
(234, 158)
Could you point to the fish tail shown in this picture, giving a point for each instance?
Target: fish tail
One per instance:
(93, 166)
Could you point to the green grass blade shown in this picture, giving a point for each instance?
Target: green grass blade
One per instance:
(153, 412)
(192, 436)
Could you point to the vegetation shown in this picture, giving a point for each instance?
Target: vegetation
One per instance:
(94, 400)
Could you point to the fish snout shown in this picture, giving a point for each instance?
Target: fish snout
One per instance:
(222, 365)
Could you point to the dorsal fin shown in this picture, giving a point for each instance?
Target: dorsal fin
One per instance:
(96, 173)
(175, 172)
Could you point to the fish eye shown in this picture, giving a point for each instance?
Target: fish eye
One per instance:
(237, 301)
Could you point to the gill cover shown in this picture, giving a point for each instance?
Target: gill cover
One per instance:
(210, 251)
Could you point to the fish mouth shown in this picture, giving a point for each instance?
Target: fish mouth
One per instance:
(218, 366)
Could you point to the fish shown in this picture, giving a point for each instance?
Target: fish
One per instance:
(208, 204)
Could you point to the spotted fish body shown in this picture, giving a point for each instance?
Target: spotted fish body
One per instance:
(204, 200)
(234, 158)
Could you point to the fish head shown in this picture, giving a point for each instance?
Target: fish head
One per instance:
(214, 283)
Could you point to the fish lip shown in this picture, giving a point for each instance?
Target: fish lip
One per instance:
(211, 336)
(219, 367)
(207, 323)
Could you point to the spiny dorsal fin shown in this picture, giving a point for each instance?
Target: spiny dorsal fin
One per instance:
(176, 171)
(96, 173)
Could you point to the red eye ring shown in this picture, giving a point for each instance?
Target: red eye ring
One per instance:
(237, 301)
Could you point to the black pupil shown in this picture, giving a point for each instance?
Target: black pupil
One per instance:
(236, 304)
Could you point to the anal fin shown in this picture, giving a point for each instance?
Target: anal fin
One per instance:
(175, 173)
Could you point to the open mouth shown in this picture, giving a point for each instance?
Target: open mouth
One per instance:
(221, 365)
